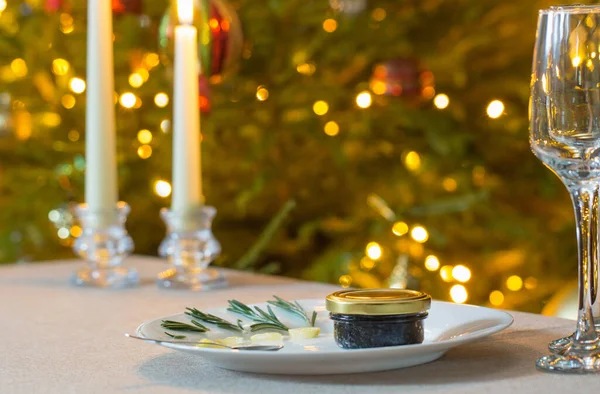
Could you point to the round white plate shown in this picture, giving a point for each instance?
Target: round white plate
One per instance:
(447, 326)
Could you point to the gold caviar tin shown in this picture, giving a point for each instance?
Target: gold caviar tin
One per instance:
(378, 302)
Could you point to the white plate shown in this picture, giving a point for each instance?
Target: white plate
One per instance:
(447, 326)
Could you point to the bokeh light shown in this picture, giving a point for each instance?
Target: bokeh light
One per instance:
(262, 93)
(77, 85)
(161, 100)
(495, 109)
(331, 128)
(320, 107)
(144, 151)
(441, 101)
(364, 99)
(144, 136)
(459, 294)
(162, 188)
(419, 234)
(496, 298)
(60, 66)
(514, 283)
(330, 25)
(373, 251)
(446, 273)
(432, 263)
(400, 228)
(128, 100)
(461, 273)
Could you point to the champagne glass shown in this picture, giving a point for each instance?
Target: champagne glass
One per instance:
(565, 136)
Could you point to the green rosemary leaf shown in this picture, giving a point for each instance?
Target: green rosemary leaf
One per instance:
(295, 308)
(176, 336)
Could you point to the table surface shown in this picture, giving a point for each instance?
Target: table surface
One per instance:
(59, 339)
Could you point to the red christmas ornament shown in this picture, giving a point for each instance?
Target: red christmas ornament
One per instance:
(57, 5)
(120, 7)
(203, 94)
(403, 77)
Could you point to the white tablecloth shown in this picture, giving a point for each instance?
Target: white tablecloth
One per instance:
(55, 338)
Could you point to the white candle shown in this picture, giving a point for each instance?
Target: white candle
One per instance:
(187, 177)
(100, 145)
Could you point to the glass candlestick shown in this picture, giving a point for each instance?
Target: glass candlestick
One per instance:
(103, 244)
(190, 247)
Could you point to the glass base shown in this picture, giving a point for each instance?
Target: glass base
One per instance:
(201, 280)
(115, 278)
(560, 346)
(570, 364)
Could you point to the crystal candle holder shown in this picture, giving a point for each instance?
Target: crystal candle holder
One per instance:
(190, 247)
(103, 244)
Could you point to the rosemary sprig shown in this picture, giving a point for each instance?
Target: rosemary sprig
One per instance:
(264, 320)
(295, 308)
(176, 336)
(216, 320)
(180, 326)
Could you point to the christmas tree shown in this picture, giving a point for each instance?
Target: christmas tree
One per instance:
(367, 143)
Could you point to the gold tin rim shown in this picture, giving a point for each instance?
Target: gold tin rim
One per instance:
(378, 302)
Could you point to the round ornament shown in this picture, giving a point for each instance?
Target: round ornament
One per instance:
(403, 77)
(120, 7)
(220, 37)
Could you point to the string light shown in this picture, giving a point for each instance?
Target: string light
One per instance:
(514, 283)
(496, 298)
(320, 107)
(73, 135)
(400, 228)
(136, 80)
(161, 100)
(76, 231)
(306, 68)
(331, 128)
(345, 281)
(66, 23)
(151, 60)
(367, 264)
(432, 263)
(446, 273)
(128, 100)
(68, 101)
(330, 25)
(449, 184)
(441, 101)
(576, 61)
(262, 93)
(364, 99)
(162, 188)
(60, 66)
(144, 151)
(412, 161)
(53, 215)
(419, 234)
(144, 136)
(379, 87)
(459, 294)
(77, 85)
(2, 5)
(165, 125)
(378, 14)
(373, 251)
(63, 233)
(461, 273)
(495, 108)
(19, 67)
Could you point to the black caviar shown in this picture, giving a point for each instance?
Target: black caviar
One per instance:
(378, 317)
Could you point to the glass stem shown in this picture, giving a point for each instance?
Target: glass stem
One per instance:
(585, 201)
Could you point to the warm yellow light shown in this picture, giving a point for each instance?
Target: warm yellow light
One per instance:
(161, 100)
(63, 233)
(461, 273)
(60, 66)
(19, 67)
(446, 273)
(144, 151)
(76, 231)
(185, 11)
(530, 283)
(77, 85)
(432, 263)
(514, 283)
(412, 161)
(459, 294)
(151, 59)
(496, 298)
(162, 188)
(419, 234)
(136, 80)
(449, 184)
(66, 22)
(144, 136)
(378, 14)
(441, 101)
(345, 281)
(2, 5)
(128, 100)
(364, 99)
(306, 69)
(68, 101)
(320, 107)
(262, 93)
(367, 264)
(379, 87)
(67, 29)
(373, 251)
(400, 228)
(495, 108)
(331, 128)
(329, 25)
(165, 125)
(576, 61)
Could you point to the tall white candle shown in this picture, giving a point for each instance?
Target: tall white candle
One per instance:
(100, 145)
(187, 176)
